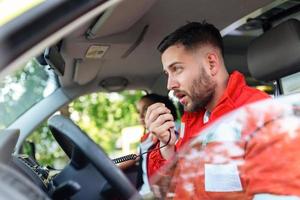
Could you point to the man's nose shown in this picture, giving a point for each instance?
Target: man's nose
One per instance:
(172, 83)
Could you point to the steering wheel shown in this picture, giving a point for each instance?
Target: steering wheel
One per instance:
(65, 129)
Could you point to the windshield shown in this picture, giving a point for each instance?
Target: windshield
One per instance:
(24, 88)
(253, 153)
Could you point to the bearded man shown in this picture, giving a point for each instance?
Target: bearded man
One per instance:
(192, 58)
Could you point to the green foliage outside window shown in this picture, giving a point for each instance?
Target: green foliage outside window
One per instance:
(20, 91)
(48, 152)
(101, 115)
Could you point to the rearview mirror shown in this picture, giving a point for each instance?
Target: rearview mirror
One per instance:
(55, 60)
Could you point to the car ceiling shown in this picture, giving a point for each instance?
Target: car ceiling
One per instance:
(132, 30)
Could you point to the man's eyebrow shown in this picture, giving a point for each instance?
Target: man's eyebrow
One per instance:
(173, 63)
(170, 66)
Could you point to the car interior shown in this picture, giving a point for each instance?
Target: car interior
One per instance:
(281, 40)
(115, 49)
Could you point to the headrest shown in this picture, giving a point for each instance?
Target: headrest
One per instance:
(276, 53)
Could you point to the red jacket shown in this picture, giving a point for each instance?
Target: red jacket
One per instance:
(259, 157)
(236, 94)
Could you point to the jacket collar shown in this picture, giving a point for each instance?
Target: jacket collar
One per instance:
(234, 88)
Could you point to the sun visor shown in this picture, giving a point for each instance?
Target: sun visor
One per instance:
(275, 54)
(119, 18)
(86, 70)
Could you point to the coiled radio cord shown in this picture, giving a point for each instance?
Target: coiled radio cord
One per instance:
(134, 156)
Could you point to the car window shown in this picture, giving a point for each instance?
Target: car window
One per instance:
(110, 119)
(24, 88)
(291, 84)
(42, 146)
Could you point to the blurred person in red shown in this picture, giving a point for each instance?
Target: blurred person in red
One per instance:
(249, 154)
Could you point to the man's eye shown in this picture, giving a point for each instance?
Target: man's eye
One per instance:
(177, 69)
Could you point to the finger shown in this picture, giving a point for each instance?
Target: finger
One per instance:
(155, 105)
(161, 119)
(151, 109)
(165, 117)
(159, 131)
(157, 113)
(158, 123)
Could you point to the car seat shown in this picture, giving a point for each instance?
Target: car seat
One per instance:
(276, 53)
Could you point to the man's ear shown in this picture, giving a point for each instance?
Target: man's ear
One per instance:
(213, 61)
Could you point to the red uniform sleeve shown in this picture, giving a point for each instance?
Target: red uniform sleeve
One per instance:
(155, 161)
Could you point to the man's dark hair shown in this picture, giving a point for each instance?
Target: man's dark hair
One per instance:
(155, 98)
(192, 35)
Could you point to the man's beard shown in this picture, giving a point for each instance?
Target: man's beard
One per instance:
(201, 92)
